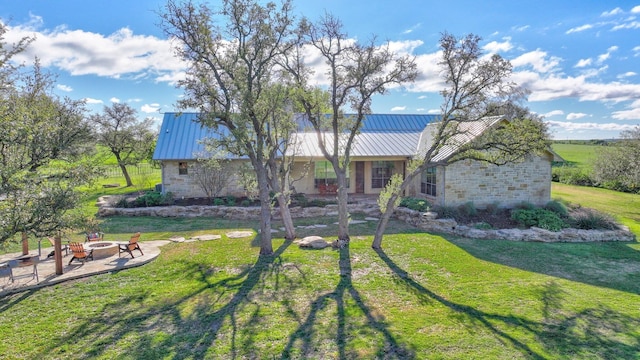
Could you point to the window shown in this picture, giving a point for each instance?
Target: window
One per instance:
(428, 181)
(324, 174)
(381, 173)
(183, 168)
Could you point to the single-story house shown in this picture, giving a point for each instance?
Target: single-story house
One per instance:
(381, 149)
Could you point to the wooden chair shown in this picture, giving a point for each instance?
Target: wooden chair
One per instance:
(64, 247)
(130, 246)
(94, 236)
(79, 253)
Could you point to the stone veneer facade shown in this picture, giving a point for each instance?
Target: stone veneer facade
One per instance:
(486, 184)
(186, 186)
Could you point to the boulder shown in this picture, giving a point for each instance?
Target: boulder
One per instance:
(313, 242)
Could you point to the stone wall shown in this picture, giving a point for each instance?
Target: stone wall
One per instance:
(506, 185)
(426, 221)
(186, 186)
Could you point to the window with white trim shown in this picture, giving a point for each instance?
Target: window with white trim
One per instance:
(428, 181)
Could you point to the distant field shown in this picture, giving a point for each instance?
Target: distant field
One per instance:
(576, 154)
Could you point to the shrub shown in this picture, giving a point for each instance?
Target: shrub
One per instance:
(299, 199)
(446, 212)
(557, 207)
(152, 198)
(415, 204)
(231, 200)
(245, 203)
(571, 176)
(483, 226)
(525, 205)
(493, 208)
(218, 201)
(588, 219)
(541, 218)
(468, 209)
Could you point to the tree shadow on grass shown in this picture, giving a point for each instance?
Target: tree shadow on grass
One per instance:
(163, 330)
(613, 264)
(597, 331)
(301, 342)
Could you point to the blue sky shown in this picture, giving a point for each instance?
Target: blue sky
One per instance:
(580, 59)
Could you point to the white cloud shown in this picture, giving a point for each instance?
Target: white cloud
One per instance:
(573, 126)
(603, 57)
(583, 63)
(628, 25)
(434, 111)
(412, 29)
(521, 28)
(64, 88)
(494, 46)
(636, 9)
(615, 11)
(579, 28)
(86, 53)
(575, 116)
(114, 100)
(633, 113)
(627, 74)
(553, 113)
(398, 108)
(150, 108)
(636, 50)
(93, 101)
(538, 60)
(422, 97)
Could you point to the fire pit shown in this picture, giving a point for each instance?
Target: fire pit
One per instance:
(103, 249)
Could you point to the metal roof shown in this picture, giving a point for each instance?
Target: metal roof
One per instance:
(180, 137)
(381, 135)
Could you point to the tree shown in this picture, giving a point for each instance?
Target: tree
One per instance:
(233, 80)
(212, 175)
(617, 165)
(475, 88)
(126, 137)
(357, 72)
(42, 140)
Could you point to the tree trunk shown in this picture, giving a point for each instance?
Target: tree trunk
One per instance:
(125, 173)
(266, 248)
(382, 224)
(343, 212)
(57, 254)
(25, 244)
(287, 220)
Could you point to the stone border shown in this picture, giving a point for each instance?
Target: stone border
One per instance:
(425, 221)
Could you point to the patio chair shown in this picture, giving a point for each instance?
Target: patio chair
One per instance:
(64, 247)
(79, 253)
(130, 246)
(94, 236)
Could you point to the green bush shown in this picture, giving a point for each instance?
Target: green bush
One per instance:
(446, 212)
(245, 203)
(483, 226)
(588, 219)
(468, 209)
(557, 207)
(231, 200)
(218, 202)
(416, 204)
(571, 176)
(150, 198)
(542, 218)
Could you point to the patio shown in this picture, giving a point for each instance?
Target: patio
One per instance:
(25, 279)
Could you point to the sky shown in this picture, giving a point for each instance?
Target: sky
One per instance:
(580, 59)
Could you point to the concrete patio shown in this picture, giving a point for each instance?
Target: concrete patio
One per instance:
(25, 279)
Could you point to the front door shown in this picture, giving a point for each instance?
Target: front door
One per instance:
(359, 177)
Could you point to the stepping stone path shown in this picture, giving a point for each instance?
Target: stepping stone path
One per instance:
(180, 239)
(239, 234)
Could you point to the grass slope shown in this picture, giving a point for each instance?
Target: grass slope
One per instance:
(579, 155)
(424, 296)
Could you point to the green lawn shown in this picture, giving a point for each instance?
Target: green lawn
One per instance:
(425, 296)
(579, 155)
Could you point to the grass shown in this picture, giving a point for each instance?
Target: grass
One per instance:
(424, 296)
(578, 155)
